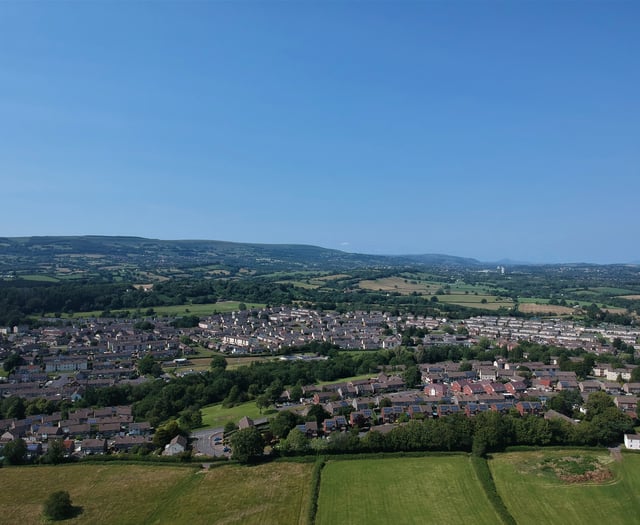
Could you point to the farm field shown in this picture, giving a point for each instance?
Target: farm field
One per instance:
(177, 310)
(276, 493)
(271, 494)
(533, 494)
(534, 308)
(420, 491)
(107, 493)
(475, 301)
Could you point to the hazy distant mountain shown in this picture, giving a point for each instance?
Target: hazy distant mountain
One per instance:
(22, 252)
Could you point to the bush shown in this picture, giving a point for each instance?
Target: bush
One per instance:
(58, 506)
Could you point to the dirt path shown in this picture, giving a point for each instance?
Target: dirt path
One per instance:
(615, 453)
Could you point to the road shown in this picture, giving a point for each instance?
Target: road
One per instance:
(209, 442)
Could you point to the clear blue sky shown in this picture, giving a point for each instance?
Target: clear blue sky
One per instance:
(482, 129)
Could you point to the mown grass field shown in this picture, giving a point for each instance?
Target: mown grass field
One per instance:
(407, 491)
(535, 496)
(277, 494)
(200, 310)
(215, 416)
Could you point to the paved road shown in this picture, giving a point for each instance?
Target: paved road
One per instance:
(206, 441)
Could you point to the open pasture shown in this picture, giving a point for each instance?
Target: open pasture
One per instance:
(403, 490)
(530, 488)
(535, 308)
(272, 494)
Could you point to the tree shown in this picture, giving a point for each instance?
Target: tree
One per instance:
(12, 362)
(385, 402)
(247, 445)
(318, 414)
(295, 443)
(148, 366)
(58, 506)
(218, 362)
(15, 452)
(412, 376)
(55, 452)
(597, 404)
(282, 424)
(165, 433)
(229, 428)
(262, 402)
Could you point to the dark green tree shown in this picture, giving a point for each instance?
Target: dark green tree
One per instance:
(55, 452)
(318, 414)
(283, 423)
(218, 362)
(247, 445)
(58, 506)
(15, 452)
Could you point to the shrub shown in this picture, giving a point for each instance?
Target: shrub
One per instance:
(58, 506)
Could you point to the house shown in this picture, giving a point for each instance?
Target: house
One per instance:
(447, 410)
(176, 446)
(472, 409)
(529, 407)
(420, 411)
(126, 443)
(632, 441)
(473, 388)
(245, 422)
(590, 386)
(362, 417)
(515, 388)
(391, 414)
(93, 446)
(631, 388)
(309, 429)
(494, 388)
(628, 404)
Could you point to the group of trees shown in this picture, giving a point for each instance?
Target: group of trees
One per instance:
(487, 432)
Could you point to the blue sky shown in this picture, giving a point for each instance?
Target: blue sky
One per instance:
(482, 129)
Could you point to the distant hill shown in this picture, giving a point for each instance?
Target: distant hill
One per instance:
(22, 253)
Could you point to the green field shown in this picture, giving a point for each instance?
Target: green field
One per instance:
(215, 416)
(200, 310)
(534, 495)
(276, 494)
(475, 301)
(420, 491)
(403, 490)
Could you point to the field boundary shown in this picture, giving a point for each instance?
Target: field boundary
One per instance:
(485, 478)
(316, 481)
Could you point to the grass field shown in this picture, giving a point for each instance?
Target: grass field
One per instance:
(534, 308)
(38, 277)
(475, 301)
(107, 493)
(534, 495)
(407, 491)
(215, 416)
(277, 493)
(272, 494)
(200, 310)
